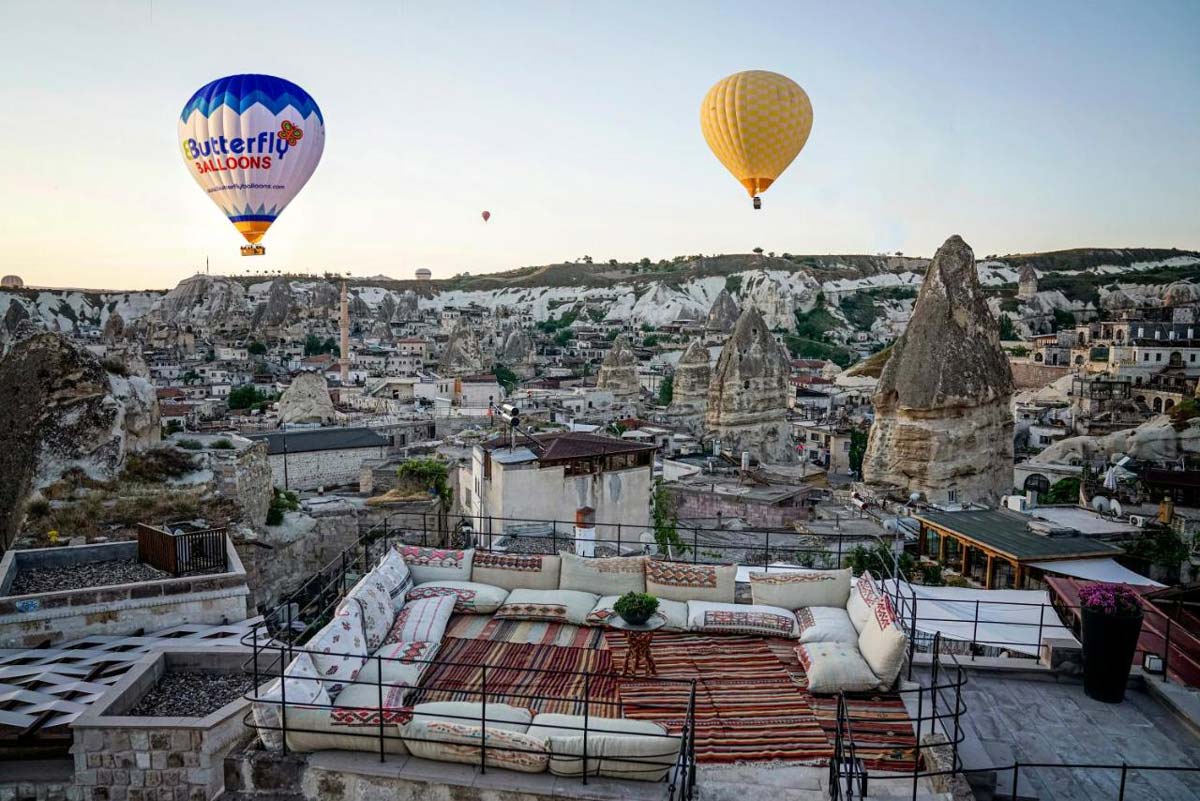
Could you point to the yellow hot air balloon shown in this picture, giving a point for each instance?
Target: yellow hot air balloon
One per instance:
(756, 122)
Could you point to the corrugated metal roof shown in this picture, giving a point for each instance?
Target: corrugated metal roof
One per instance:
(1008, 533)
(321, 439)
(571, 445)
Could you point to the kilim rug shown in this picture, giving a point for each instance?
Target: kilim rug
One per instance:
(510, 680)
(485, 627)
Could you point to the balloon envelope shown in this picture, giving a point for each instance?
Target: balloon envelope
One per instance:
(756, 122)
(251, 142)
(487, 215)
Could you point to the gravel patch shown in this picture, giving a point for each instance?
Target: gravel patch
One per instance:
(191, 694)
(78, 577)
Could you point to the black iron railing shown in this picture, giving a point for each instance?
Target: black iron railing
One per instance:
(183, 553)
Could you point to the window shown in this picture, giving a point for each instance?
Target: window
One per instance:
(1158, 357)
(952, 495)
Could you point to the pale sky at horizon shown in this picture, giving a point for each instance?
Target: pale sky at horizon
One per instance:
(1020, 126)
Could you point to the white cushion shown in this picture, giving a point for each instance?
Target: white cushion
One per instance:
(371, 592)
(448, 741)
(500, 716)
(516, 570)
(431, 564)
(826, 624)
(470, 597)
(396, 576)
(402, 665)
(883, 643)
(339, 650)
(863, 597)
(353, 724)
(796, 589)
(555, 606)
(681, 581)
(833, 667)
(613, 575)
(718, 618)
(422, 621)
(303, 686)
(608, 739)
(675, 613)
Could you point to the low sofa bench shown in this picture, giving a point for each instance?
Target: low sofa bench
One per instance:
(350, 682)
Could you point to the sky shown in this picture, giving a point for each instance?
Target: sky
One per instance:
(1022, 126)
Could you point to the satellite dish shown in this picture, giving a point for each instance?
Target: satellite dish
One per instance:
(916, 496)
(1100, 504)
(1115, 507)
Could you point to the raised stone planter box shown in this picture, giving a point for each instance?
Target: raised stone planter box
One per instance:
(46, 618)
(123, 758)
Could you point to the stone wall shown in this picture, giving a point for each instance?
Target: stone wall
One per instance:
(333, 468)
(697, 502)
(245, 476)
(1030, 375)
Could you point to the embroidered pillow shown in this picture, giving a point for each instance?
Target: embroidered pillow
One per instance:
(422, 621)
(471, 597)
(765, 621)
(401, 665)
(553, 606)
(825, 624)
(883, 643)
(863, 597)
(681, 581)
(796, 589)
(833, 667)
(396, 575)
(615, 575)
(514, 571)
(371, 592)
(303, 686)
(339, 649)
(431, 564)
(450, 741)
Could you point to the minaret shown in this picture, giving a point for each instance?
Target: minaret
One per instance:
(344, 361)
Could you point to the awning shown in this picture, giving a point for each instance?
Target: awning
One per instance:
(1095, 570)
(1015, 620)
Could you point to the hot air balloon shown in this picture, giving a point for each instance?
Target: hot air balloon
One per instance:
(487, 215)
(251, 142)
(756, 122)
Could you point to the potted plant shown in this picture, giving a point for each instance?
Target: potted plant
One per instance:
(635, 608)
(1111, 622)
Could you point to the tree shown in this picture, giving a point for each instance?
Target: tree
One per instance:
(858, 449)
(666, 521)
(190, 377)
(644, 263)
(430, 474)
(256, 348)
(245, 397)
(650, 341)
(563, 337)
(1063, 319)
(758, 252)
(1007, 333)
(506, 378)
(1065, 490)
(666, 391)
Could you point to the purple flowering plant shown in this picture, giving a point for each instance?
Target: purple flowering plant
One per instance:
(1111, 599)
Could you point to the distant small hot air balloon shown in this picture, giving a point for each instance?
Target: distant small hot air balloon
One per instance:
(251, 142)
(756, 122)
(487, 215)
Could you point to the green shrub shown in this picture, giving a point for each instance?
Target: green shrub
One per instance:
(222, 445)
(430, 474)
(153, 466)
(636, 607)
(189, 444)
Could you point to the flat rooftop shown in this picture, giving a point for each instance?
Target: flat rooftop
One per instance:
(1008, 533)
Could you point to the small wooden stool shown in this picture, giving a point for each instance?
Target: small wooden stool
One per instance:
(638, 660)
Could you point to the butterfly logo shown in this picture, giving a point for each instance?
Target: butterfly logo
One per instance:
(289, 133)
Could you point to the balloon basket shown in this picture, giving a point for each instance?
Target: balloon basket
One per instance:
(253, 250)
(757, 202)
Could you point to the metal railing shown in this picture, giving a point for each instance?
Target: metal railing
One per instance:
(183, 553)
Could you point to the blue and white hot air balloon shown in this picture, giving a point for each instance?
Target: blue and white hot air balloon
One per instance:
(251, 142)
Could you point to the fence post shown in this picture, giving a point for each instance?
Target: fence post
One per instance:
(767, 554)
(1167, 649)
(912, 631)
(619, 551)
(587, 695)
(483, 722)
(379, 686)
(554, 537)
(282, 702)
(1121, 793)
(975, 631)
(1041, 617)
(1016, 775)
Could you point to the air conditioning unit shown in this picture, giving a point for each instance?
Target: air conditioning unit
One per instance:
(1138, 520)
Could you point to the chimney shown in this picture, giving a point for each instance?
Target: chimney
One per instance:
(344, 360)
(585, 531)
(1166, 510)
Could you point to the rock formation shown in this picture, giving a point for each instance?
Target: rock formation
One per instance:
(619, 371)
(723, 315)
(64, 410)
(692, 374)
(205, 299)
(518, 353)
(280, 303)
(307, 400)
(942, 419)
(114, 329)
(747, 396)
(1156, 440)
(1027, 282)
(408, 308)
(463, 354)
(382, 331)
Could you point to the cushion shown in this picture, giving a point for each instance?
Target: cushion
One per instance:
(883, 643)
(500, 716)
(554, 606)
(351, 725)
(608, 739)
(615, 575)
(470, 597)
(421, 621)
(402, 666)
(675, 612)
(303, 686)
(449, 741)
(431, 564)
(793, 590)
(680, 581)
(339, 649)
(373, 597)
(396, 576)
(826, 624)
(863, 597)
(833, 667)
(514, 571)
(765, 621)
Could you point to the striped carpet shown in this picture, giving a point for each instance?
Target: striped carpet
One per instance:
(510, 679)
(485, 627)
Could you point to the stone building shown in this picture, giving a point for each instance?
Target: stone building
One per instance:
(747, 395)
(943, 426)
(1027, 283)
(321, 457)
(692, 374)
(618, 372)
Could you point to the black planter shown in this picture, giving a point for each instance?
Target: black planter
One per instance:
(1109, 642)
(638, 619)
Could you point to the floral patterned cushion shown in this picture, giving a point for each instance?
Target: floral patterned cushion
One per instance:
(423, 620)
(371, 592)
(431, 564)
(471, 598)
(682, 581)
(396, 575)
(339, 649)
(793, 589)
(765, 621)
(302, 685)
